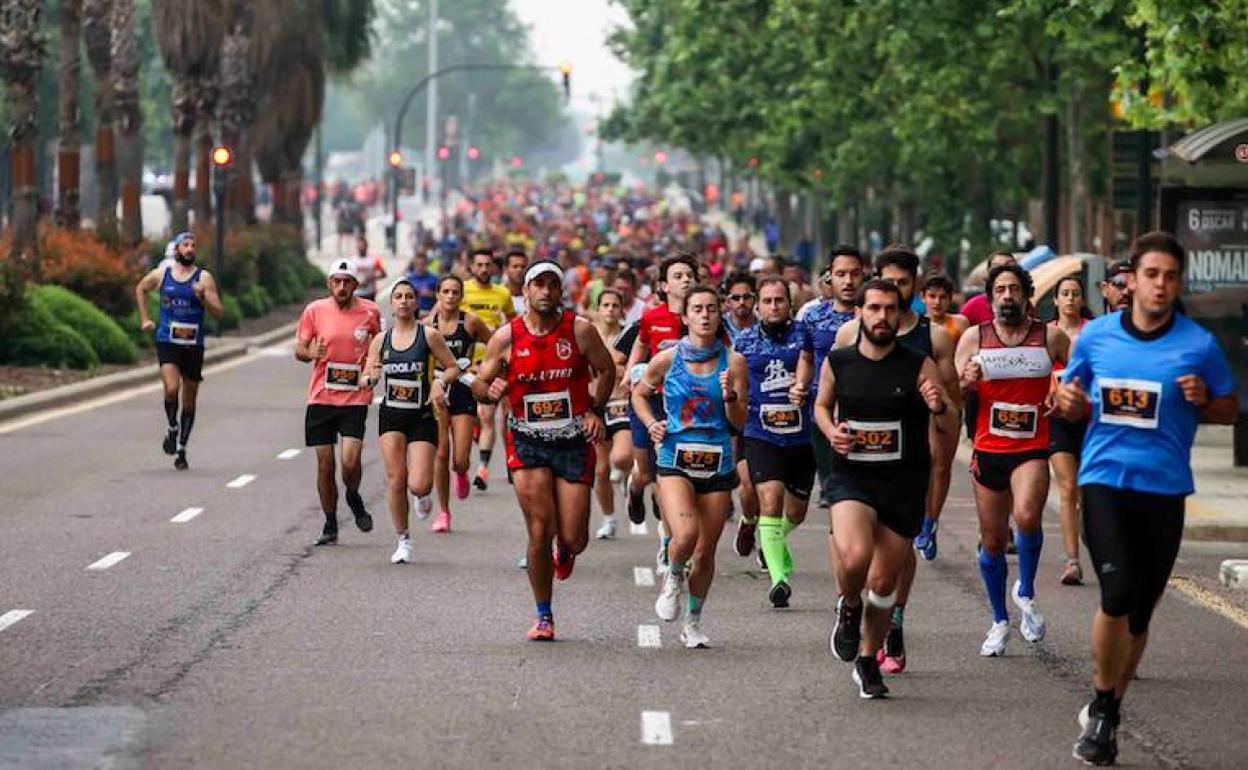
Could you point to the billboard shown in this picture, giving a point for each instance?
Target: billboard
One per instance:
(1215, 234)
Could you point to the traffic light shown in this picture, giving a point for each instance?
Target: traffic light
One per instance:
(444, 152)
(473, 152)
(221, 156)
(660, 157)
(566, 70)
(395, 158)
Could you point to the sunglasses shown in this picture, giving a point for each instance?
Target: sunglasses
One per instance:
(1119, 283)
(741, 297)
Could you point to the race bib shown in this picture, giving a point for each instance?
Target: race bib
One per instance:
(637, 372)
(699, 461)
(875, 441)
(617, 412)
(1130, 402)
(405, 394)
(780, 418)
(181, 333)
(1015, 363)
(548, 411)
(1013, 420)
(342, 376)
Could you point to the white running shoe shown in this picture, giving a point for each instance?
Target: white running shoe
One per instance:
(994, 642)
(667, 606)
(617, 475)
(424, 507)
(607, 530)
(402, 554)
(1032, 625)
(691, 633)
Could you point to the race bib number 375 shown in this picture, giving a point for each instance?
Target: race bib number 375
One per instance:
(1130, 402)
(700, 461)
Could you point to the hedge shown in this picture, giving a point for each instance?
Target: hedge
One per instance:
(106, 337)
(37, 338)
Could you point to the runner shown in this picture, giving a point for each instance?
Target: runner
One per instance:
(776, 445)
(702, 386)
(1116, 288)
(400, 360)
(978, 309)
(937, 295)
(739, 299)
(461, 331)
(491, 303)
(550, 356)
(1008, 362)
(882, 394)
(740, 296)
(369, 269)
(1151, 375)
(1066, 436)
(515, 265)
(186, 291)
(615, 454)
(425, 283)
(334, 334)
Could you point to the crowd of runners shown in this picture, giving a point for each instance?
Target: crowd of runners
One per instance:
(617, 345)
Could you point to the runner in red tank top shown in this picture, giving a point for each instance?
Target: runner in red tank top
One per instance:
(550, 357)
(1008, 361)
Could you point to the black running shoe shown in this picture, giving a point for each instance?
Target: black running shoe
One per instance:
(762, 560)
(636, 505)
(329, 536)
(779, 595)
(356, 503)
(894, 643)
(847, 633)
(743, 543)
(1098, 744)
(180, 462)
(170, 444)
(869, 679)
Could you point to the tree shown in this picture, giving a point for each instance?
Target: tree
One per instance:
(128, 118)
(98, 34)
(21, 58)
(68, 138)
(238, 109)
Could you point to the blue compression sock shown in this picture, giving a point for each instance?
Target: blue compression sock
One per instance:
(543, 610)
(1028, 545)
(695, 605)
(994, 571)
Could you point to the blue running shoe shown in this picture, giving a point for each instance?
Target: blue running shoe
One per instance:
(925, 543)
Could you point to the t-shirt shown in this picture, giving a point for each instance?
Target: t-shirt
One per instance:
(635, 310)
(336, 378)
(368, 268)
(426, 287)
(659, 329)
(772, 365)
(487, 302)
(978, 310)
(824, 321)
(1141, 429)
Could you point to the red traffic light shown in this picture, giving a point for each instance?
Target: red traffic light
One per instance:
(221, 156)
(444, 152)
(473, 152)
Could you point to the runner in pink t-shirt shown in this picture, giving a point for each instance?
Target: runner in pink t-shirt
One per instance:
(334, 334)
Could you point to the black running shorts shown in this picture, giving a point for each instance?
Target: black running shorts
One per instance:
(188, 358)
(1066, 436)
(572, 460)
(323, 423)
(724, 482)
(460, 400)
(793, 465)
(414, 424)
(993, 469)
(899, 504)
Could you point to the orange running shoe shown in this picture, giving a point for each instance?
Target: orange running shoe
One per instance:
(542, 631)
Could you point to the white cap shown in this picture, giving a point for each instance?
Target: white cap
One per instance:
(344, 267)
(538, 268)
(758, 265)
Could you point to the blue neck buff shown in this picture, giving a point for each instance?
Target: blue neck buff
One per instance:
(691, 352)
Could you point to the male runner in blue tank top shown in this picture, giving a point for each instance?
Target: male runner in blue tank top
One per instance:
(1147, 375)
(186, 292)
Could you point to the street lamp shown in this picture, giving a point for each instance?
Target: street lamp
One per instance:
(222, 158)
(565, 69)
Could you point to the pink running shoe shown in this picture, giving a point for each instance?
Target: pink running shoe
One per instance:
(889, 664)
(442, 523)
(461, 486)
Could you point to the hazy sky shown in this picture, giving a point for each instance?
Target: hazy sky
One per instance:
(575, 31)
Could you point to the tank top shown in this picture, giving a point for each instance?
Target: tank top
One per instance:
(459, 342)
(181, 312)
(548, 379)
(918, 339)
(699, 438)
(407, 373)
(1012, 392)
(880, 400)
(951, 328)
(772, 364)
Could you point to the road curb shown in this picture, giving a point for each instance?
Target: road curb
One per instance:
(52, 398)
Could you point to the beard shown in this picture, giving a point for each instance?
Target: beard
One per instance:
(186, 259)
(880, 337)
(1010, 313)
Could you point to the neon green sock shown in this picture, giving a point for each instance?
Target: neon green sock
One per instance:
(786, 527)
(775, 549)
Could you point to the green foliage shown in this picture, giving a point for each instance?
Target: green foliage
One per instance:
(254, 302)
(37, 338)
(231, 316)
(103, 334)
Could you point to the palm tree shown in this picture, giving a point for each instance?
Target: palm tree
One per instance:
(21, 57)
(238, 109)
(189, 34)
(128, 118)
(97, 16)
(68, 140)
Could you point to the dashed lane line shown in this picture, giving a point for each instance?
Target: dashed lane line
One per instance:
(643, 576)
(242, 481)
(113, 559)
(13, 616)
(656, 728)
(648, 636)
(186, 515)
(288, 454)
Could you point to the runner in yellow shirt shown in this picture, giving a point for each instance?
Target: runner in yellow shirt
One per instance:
(491, 303)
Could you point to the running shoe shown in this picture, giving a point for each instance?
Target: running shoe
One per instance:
(1032, 625)
(442, 524)
(867, 676)
(179, 462)
(363, 521)
(847, 633)
(170, 444)
(779, 595)
(461, 486)
(329, 535)
(424, 507)
(542, 631)
(667, 606)
(691, 634)
(994, 642)
(892, 656)
(482, 480)
(564, 561)
(925, 543)
(607, 530)
(1073, 574)
(403, 553)
(744, 542)
(761, 560)
(636, 502)
(1098, 742)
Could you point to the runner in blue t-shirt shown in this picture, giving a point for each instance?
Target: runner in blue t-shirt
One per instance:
(424, 282)
(776, 443)
(740, 296)
(1145, 377)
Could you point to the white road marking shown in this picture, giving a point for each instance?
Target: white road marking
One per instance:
(276, 351)
(116, 557)
(288, 454)
(186, 515)
(648, 636)
(656, 728)
(12, 616)
(637, 529)
(643, 576)
(241, 481)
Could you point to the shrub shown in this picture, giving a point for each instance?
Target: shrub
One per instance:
(231, 316)
(37, 338)
(251, 305)
(86, 266)
(106, 337)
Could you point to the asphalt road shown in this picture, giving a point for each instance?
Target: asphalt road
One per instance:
(227, 641)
